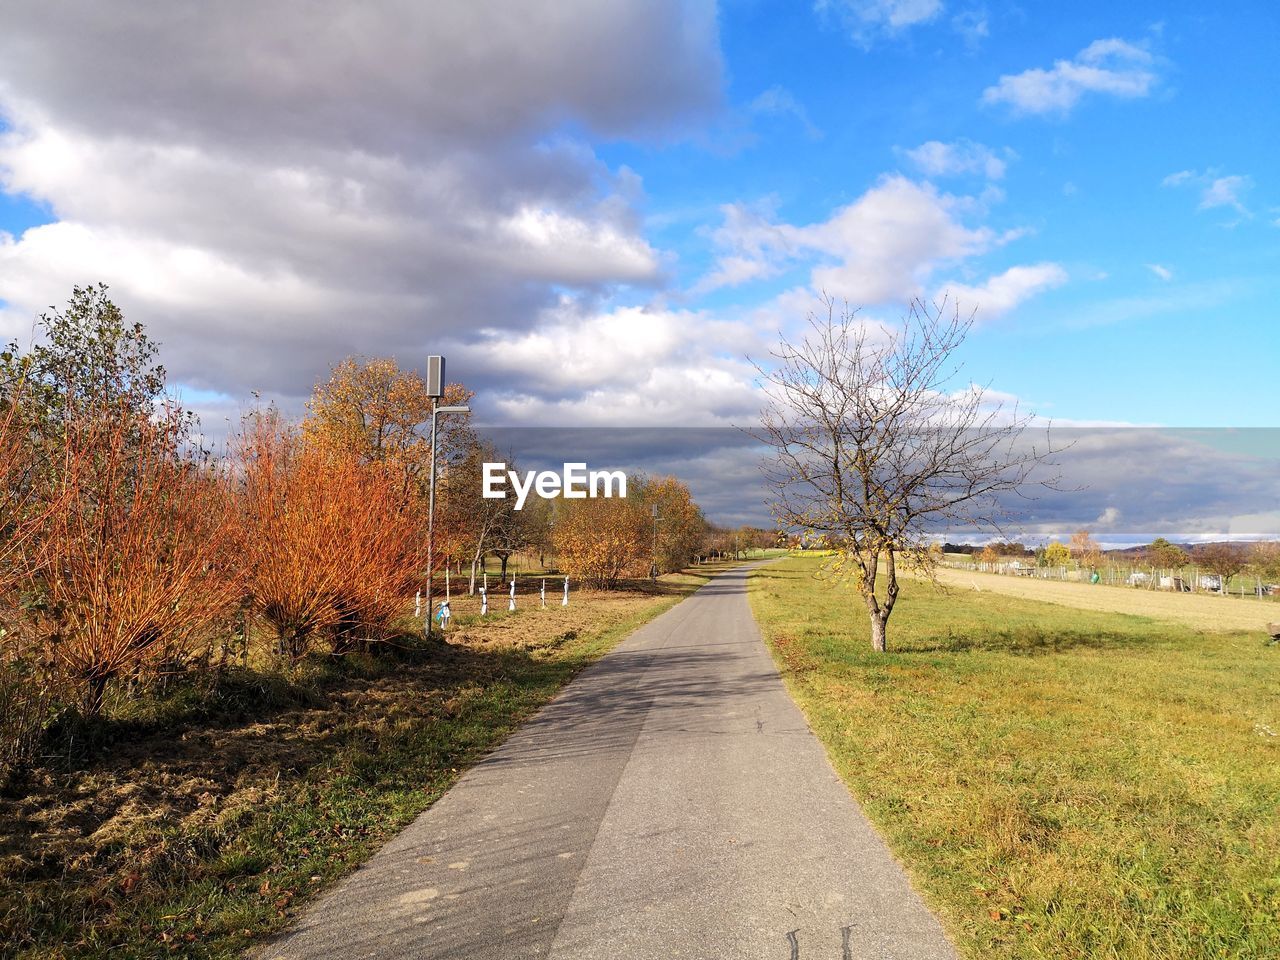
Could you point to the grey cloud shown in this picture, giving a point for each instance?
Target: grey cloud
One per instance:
(1126, 484)
(720, 465)
(272, 187)
(383, 77)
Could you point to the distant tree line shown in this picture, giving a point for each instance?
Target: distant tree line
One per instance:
(1224, 560)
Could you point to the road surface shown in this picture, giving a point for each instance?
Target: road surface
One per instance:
(670, 803)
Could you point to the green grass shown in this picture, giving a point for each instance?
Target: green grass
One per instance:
(1060, 783)
(357, 748)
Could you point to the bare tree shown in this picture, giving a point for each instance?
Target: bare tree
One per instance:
(872, 449)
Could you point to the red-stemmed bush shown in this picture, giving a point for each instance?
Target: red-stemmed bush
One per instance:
(331, 543)
(135, 566)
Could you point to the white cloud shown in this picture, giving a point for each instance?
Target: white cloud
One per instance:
(570, 249)
(267, 204)
(887, 242)
(780, 102)
(752, 245)
(1163, 272)
(1112, 66)
(1003, 292)
(1225, 192)
(630, 366)
(881, 248)
(866, 18)
(937, 159)
(972, 26)
(1108, 518)
(1215, 190)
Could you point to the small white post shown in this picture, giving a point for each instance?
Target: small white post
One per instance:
(543, 593)
(484, 601)
(512, 604)
(565, 601)
(417, 605)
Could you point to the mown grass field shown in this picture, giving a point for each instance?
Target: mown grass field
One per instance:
(1060, 782)
(196, 822)
(1203, 611)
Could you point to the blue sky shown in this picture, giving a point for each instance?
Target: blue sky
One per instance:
(1118, 341)
(598, 210)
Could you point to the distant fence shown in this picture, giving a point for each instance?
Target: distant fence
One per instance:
(1189, 579)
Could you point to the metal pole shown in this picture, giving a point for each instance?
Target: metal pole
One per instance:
(431, 514)
(653, 569)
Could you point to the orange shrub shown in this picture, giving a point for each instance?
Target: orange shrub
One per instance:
(134, 567)
(25, 694)
(20, 517)
(330, 542)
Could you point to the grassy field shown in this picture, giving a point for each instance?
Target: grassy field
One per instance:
(1202, 611)
(1060, 782)
(196, 822)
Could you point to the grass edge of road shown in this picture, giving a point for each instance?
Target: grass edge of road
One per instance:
(1056, 782)
(235, 882)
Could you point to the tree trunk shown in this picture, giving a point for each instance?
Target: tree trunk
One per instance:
(345, 638)
(503, 558)
(878, 610)
(878, 637)
(471, 586)
(95, 694)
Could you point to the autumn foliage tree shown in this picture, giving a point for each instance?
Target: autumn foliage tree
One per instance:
(1056, 554)
(379, 413)
(600, 540)
(681, 527)
(1264, 560)
(1165, 555)
(127, 568)
(1084, 549)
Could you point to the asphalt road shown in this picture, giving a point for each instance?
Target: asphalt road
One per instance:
(670, 803)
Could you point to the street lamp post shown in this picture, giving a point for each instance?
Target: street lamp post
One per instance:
(435, 390)
(653, 567)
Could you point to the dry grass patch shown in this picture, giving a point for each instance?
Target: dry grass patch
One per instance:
(1201, 611)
